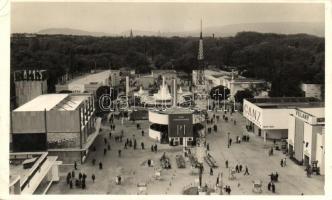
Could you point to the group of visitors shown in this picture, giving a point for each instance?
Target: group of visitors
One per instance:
(79, 182)
(228, 189)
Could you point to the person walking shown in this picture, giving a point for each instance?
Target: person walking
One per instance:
(135, 144)
(110, 135)
(226, 163)
(109, 147)
(282, 162)
(208, 146)
(100, 165)
(71, 184)
(240, 168)
(269, 186)
(211, 171)
(230, 141)
(246, 171)
(73, 174)
(93, 177)
(68, 178)
(75, 165)
(155, 148)
(80, 176)
(105, 150)
(277, 176)
(119, 153)
(105, 140)
(273, 187)
(237, 169)
(285, 161)
(152, 148)
(142, 145)
(142, 133)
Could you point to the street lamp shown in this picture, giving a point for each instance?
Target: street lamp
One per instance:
(224, 99)
(228, 139)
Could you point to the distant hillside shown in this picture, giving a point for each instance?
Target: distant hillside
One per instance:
(316, 29)
(69, 31)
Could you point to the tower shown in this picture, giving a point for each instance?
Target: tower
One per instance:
(200, 59)
(131, 33)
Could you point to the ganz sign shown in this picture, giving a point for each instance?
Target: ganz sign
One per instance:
(252, 114)
(30, 75)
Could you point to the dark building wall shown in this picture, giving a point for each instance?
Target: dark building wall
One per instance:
(180, 125)
(29, 142)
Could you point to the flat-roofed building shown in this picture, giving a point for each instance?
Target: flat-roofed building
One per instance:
(62, 124)
(306, 136)
(88, 83)
(32, 173)
(268, 117)
(312, 90)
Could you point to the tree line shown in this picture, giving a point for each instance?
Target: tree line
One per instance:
(283, 60)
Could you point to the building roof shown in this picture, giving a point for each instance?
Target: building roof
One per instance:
(316, 112)
(99, 77)
(42, 102)
(286, 102)
(61, 102)
(175, 110)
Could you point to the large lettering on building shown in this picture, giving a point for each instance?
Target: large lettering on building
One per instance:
(30, 75)
(252, 113)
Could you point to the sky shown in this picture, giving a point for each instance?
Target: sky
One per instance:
(115, 18)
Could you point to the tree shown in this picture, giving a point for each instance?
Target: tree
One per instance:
(219, 92)
(243, 94)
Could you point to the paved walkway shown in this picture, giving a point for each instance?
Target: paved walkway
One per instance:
(292, 178)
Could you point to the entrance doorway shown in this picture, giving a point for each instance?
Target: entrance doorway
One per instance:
(306, 160)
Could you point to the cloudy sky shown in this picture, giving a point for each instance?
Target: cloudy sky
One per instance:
(115, 18)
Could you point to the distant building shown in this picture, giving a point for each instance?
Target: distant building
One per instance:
(29, 84)
(268, 117)
(88, 83)
(312, 90)
(32, 173)
(306, 136)
(62, 124)
(232, 81)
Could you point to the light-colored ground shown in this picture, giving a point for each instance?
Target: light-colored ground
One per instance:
(254, 154)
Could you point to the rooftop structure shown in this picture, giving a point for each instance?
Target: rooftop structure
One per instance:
(53, 102)
(286, 102)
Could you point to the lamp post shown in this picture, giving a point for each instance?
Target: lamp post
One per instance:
(228, 139)
(224, 100)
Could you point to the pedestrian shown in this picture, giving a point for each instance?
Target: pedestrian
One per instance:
(109, 147)
(119, 152)
(246, 171)
(155, 148)
(93, 161)
(93, 177)
(269, 186)
(135, 144)
(276, 176)
(271, 177)
(240, 168)
(226, 163)
(125, 146)
(237, 169)
(142, 145)
(71, 184)
(285, 161)
(73, 174)
(68, 178)
(273, 187)
(211, 171)
(110, 135)
(230, 141)
(130, 143)
(152, 149)
(105, 150)
(83, 184)
(84, 176)
(105, 140)
(282, 162)
(75, 165)
(80, 176)
(100, 165)
(143, 133)
(208, 147)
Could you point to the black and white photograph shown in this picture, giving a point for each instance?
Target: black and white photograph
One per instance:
(166, 98)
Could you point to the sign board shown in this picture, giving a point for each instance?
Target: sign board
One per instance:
(252, 113)
(306, 117)
(30, 75)
(180, 125)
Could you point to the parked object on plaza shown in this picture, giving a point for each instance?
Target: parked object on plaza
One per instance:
(181, 163)
(257, 186)
(210, 161)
